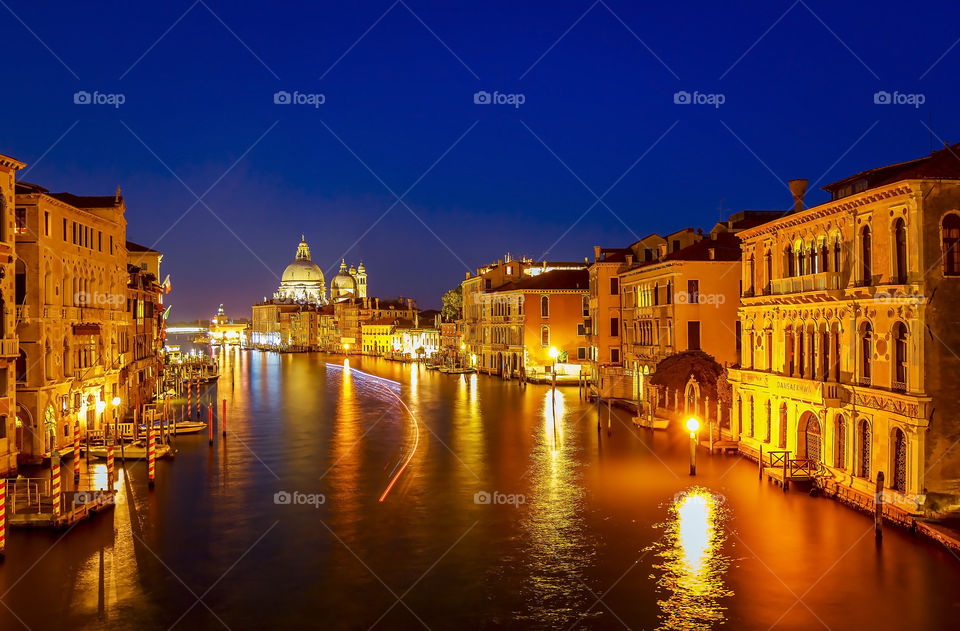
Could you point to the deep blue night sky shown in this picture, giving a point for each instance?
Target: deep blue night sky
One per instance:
(798, 103)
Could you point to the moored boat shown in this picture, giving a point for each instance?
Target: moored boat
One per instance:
(133, 450)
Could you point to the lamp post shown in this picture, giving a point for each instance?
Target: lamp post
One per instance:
(346, 348)
(463, 353)
(554, 353)
(693, 425)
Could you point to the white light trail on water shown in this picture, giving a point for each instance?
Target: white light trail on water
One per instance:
(394, 385)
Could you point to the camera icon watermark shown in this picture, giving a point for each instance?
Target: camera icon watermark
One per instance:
(498, 98)
(82, 97)
(883, 97)
(683, 97)
(282, 97)
(296, 498)
(486, 498)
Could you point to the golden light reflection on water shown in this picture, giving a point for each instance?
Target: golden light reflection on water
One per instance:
(693, 565)
(553, 411)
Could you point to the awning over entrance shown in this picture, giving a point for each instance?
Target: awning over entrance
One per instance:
(86, 329)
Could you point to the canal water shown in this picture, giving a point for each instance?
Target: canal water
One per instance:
(513, 512)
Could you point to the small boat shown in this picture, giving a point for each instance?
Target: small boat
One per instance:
(656, 423)
(133, 450)
(180, 427)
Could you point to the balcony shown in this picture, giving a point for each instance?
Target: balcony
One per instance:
(9, 347)
(822, 282)
(23, 313)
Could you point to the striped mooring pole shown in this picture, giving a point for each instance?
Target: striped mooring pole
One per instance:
(210, 422)
(110, 466)
(76, 453)
(223, 417)
(189, 406)
(55, 483)
(151, 457)
(3, 517)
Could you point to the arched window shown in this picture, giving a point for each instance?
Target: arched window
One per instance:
(22, 367)
(767, 270)
(814, 260)
(740, 414)
(837, 254)
(866, 354)
(769, 433)
(951, 245)
(801, 262)
(544, 306)
(900, 251)
(900, 357)
(864, 444)
(824, 257)
(866, 257)
(783, 426)
(899, 461)
(545, 335)
(791, 263)
(840, 451)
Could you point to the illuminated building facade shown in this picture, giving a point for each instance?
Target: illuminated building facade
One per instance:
(223, 331)
(10, 428)
(72, 320)
(139, 376)
(849, 334)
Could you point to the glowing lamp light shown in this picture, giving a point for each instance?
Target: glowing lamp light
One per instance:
(116, 401)
(553, 352)
(463, 347)
(693, 424)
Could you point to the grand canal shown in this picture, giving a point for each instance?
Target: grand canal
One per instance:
(514, 512)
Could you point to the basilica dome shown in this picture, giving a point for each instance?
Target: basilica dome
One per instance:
(302, 280)
(344, 284)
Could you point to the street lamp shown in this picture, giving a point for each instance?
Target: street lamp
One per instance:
(554, 353)
(346, 348)
(693, 425)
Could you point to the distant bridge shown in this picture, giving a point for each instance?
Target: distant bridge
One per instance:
(186, 329)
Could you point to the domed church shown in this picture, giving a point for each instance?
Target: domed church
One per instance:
(302, 281)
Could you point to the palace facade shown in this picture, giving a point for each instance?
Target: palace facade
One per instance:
(851, 337)
(9, 346)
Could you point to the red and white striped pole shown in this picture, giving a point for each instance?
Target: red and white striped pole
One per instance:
(151, 457)
(76, 453)
(55, 483)
(223, 417)
(189, 408)
(210, 422)
(3, 517)
(110, 466)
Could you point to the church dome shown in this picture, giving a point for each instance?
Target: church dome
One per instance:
(302, 271)
(302, 280)
(343, 284)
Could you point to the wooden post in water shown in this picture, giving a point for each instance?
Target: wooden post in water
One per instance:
(760, 464)
(76, 454)
(786, 472)
(110, 466)
(223, 417)
(151, 457)
(3, 517)
(609, 404)
(878, 508)
(55, 482)
(210, 422)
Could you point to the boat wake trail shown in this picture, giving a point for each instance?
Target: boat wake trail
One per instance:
(391, 388)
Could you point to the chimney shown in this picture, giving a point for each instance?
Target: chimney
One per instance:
(798, 189)
(629, 260)
(377, 302)
(712, 253)
(596, 253)
(662, 247)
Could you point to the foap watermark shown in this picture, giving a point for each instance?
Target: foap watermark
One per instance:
(498, 98)
(699, 298)
(497, 498)
(82, 97)
(282, 97)
(98, 299)
(296, 498)
(83, 498)
(900, 298)
(899, 98)
(699, 98)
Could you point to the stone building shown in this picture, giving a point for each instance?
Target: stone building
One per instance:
(851, 334)
(143, 337)
(71, 296)
(9, 348)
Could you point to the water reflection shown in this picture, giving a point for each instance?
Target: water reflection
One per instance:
(693, 564)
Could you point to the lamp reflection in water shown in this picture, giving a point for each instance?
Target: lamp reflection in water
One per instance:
(692, 563)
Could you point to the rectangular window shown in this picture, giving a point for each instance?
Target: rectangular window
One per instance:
(676, 245)
(669, 300)
(614, 327)
(581, 330)
(614, 286)
(111, 245)
(693, 291)
(64, 230)
(74, 226)
(21, 221)
(586, 306)
(99, 241)
(615, 355)
(581, 352)
(693, 335)
(46, 223)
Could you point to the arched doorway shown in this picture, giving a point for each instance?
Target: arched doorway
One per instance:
(809, 441)
(899, 461)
